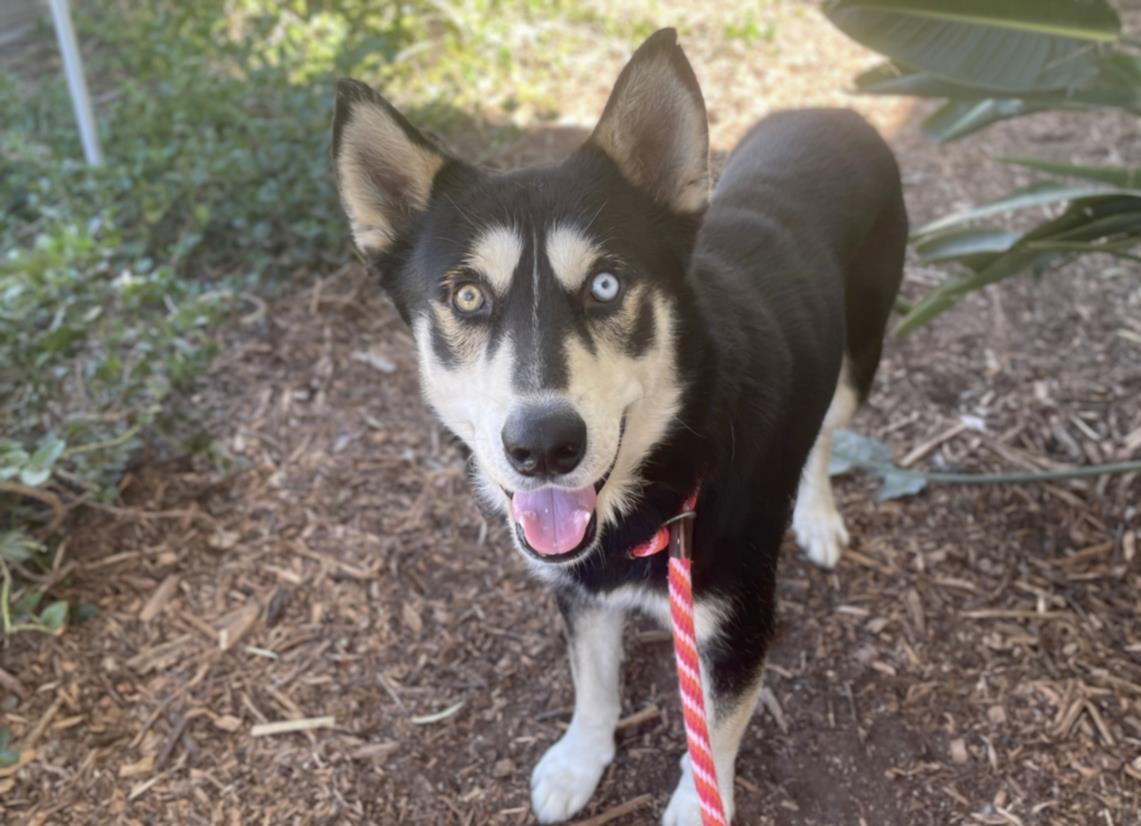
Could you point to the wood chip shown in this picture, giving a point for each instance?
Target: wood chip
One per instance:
(1003, 613)
(227, 722)
(411, 618)
(959, 753)
(428, 719)
(159, 598)
(142, 788)
(10, 683)
(375, 751)
(236, 625)
(772, 705)
(142, 766)
(291, 726)
(921, 450)
(1099, 722)
(374, 360)
(650, 712)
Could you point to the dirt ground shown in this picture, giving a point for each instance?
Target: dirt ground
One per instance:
(976, 657)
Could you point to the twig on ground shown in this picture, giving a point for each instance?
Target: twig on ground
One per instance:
(621, 810)
(291, 726)
(638, 717)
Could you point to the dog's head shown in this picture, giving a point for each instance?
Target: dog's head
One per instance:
(543, 302)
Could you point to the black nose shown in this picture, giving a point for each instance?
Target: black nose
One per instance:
(544, 440)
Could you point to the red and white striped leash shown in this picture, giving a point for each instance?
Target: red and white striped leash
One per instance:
(677, 535)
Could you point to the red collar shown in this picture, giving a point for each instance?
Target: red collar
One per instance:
(661, 538)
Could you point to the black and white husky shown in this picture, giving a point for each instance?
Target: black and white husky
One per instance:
(603, 334)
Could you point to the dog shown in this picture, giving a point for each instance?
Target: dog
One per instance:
(608, 336)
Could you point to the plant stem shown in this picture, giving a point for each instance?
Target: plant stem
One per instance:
(1035, 476)
(5, 594)
(113, 442)
(6, 607)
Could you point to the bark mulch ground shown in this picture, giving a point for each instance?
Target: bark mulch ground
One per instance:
(326, 630)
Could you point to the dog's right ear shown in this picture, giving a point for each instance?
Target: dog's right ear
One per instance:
(384, 167)
(654, 126)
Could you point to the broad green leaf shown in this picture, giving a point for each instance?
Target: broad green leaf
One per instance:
(1115, 248)
(18, 547)
(1117, 84)
(1105, 229)
(1126, 177)
(957, 244)
(967, 110)
(1099, 216)
(1040, 193)
(953, 290)
(956, 119)
(851, 450)
(26, 604)
(898, 483)
(935, 303)
(1109, 216)
(39, 468)
(54, 615)
(1008, 47)
(890, 78)
(13, 457)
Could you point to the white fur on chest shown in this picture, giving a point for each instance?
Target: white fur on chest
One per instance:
(708, 614)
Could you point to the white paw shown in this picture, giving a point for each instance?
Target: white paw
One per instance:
(684, 808)
(568, 774)
(820, 532)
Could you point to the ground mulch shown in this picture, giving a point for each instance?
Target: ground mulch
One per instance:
(318, 625)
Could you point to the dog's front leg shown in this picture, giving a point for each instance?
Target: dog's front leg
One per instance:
(568, 773)
(732, 664)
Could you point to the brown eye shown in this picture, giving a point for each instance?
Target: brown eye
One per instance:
(468, 299)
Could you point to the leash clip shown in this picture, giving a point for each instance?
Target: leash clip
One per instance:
(681, 534)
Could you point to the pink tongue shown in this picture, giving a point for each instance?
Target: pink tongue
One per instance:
(554, 520)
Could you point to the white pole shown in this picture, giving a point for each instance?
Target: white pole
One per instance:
(76, 83)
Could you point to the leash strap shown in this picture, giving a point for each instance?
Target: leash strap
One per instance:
(677, 534)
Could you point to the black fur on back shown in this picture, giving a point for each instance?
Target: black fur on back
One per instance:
(796, 265)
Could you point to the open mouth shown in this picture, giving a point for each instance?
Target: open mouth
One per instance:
(556, 523)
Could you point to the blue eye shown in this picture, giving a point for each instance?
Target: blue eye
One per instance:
(604, 287)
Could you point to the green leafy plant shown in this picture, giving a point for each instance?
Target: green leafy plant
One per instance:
(20, 609)
(989, 60)
(214, 118)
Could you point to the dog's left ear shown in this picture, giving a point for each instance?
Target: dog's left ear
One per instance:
(654, 126)
(385, 167)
